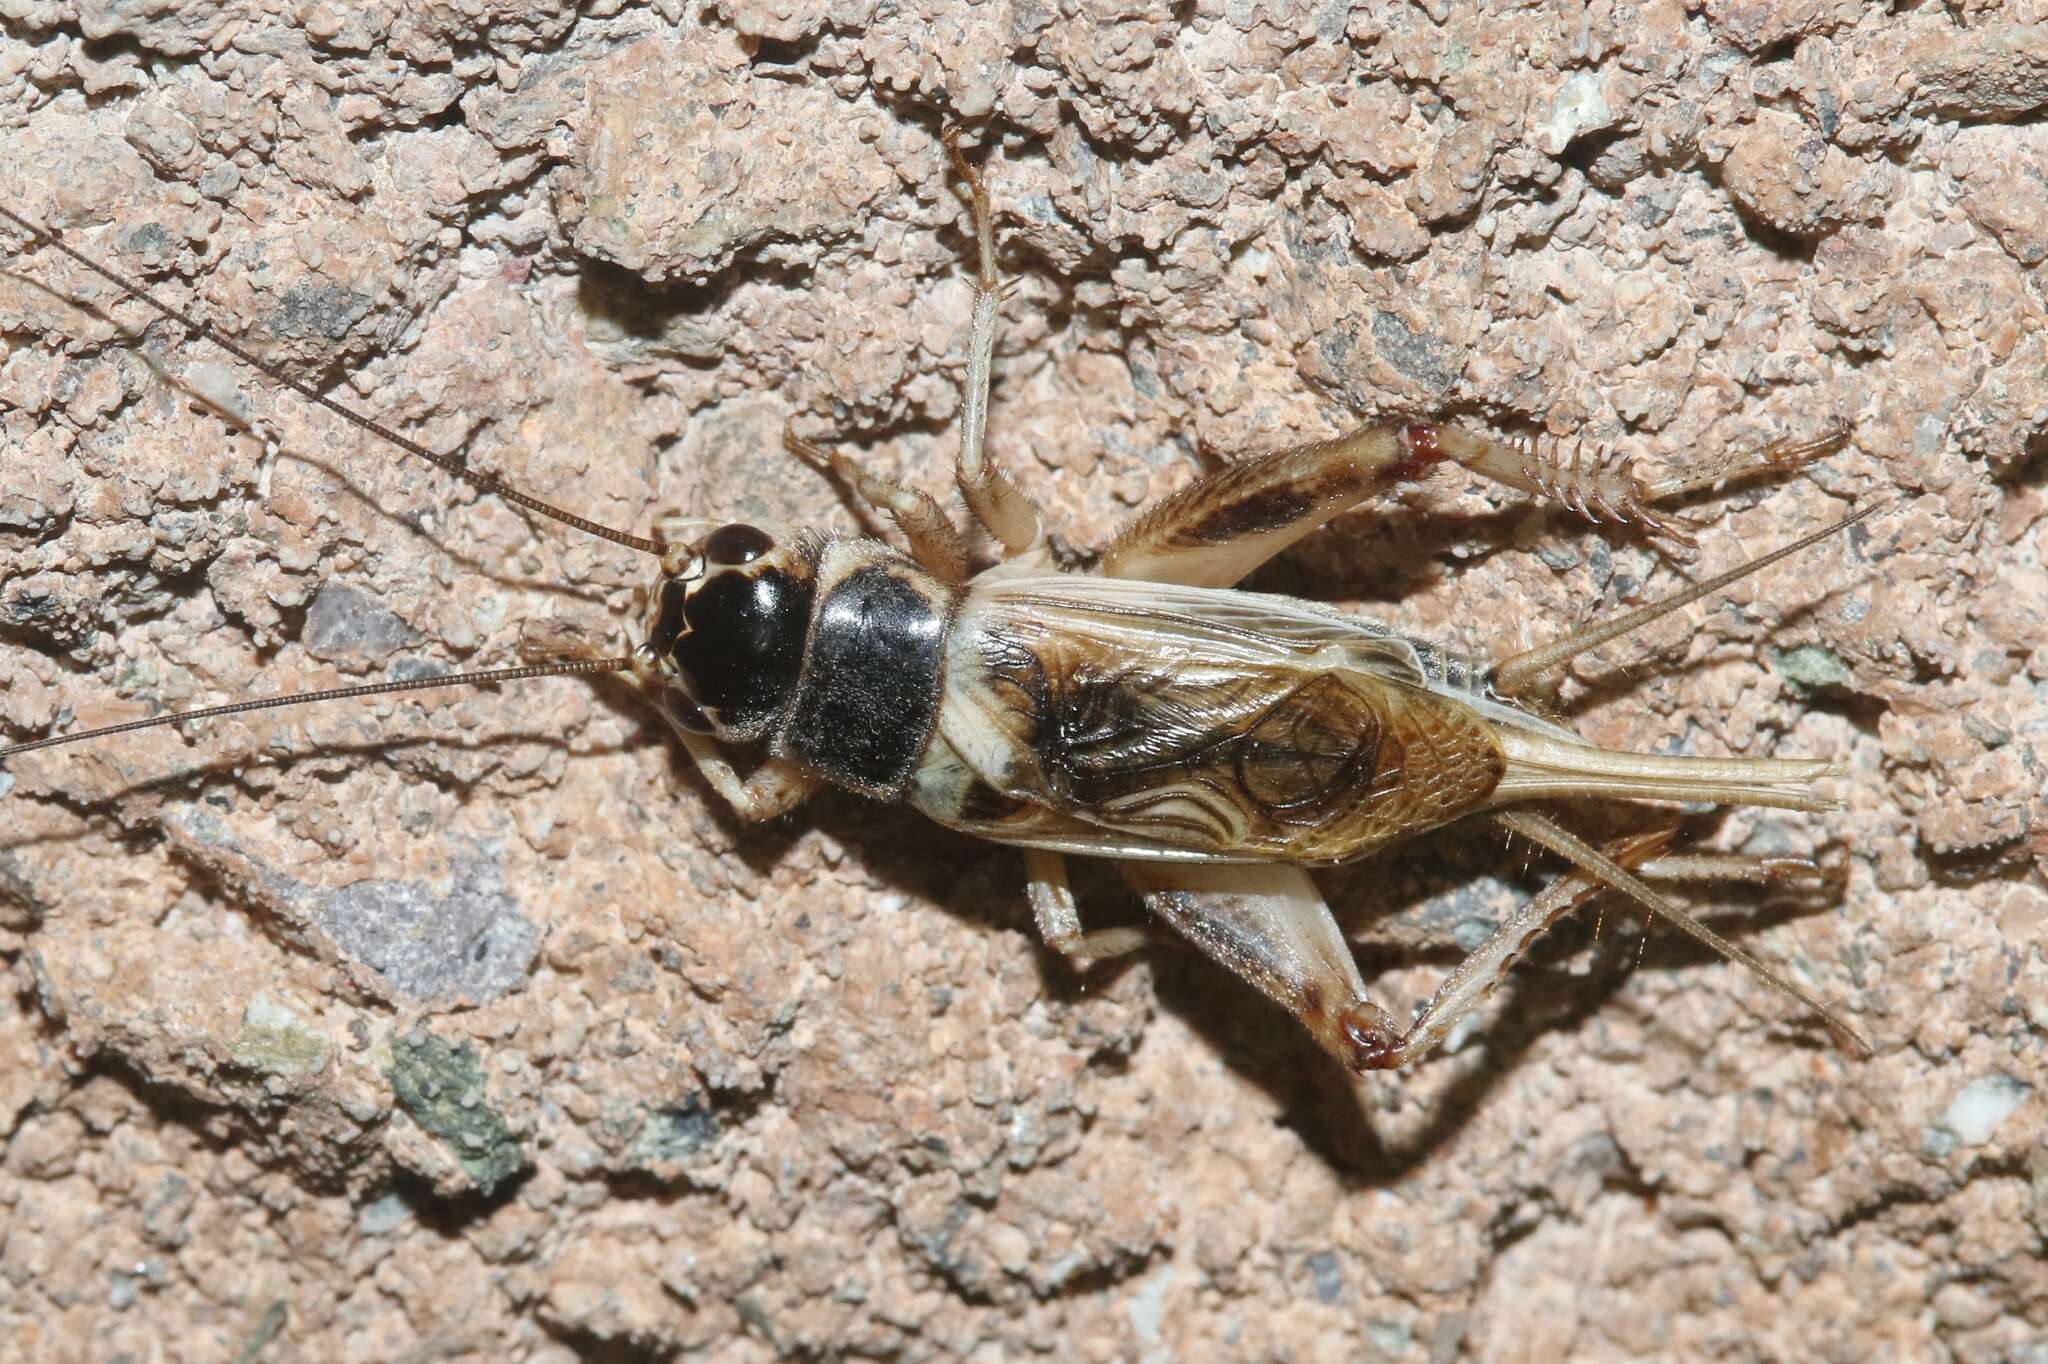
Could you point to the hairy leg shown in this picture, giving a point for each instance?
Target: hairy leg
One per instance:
(1221, 527)
(1601, 487)
(1488, 964)
(1268, 923)
(1003, 509)
(1600, 867)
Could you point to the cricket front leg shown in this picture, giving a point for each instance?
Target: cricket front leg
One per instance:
(1269, 924)
(935, 542)
(1222, 526)
(1010, 516)
(774, 788)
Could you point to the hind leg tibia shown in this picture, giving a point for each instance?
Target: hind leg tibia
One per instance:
(1225, 524)
(1600, 486)
(1488, 964)
(1601, 867)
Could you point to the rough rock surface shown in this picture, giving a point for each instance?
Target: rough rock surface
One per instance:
(468, 1027)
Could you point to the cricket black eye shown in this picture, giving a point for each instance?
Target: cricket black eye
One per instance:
(737, 544)
(745, 643)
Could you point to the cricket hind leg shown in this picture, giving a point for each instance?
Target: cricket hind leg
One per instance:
(1600, 867)
(1268, 923)
(1763, 869)
(1219, 528)
(1487, 965)
(1602, 487)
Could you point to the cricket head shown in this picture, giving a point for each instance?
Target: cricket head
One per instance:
(725, 628)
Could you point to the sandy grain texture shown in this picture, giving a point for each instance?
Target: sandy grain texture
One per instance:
(470, 1029)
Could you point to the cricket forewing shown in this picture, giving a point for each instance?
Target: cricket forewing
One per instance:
(1213, 742)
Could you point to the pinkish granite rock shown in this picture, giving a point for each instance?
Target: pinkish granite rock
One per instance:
(469, 1027)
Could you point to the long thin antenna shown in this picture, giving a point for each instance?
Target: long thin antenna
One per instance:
(1513, 675)
(571, 667)
(490, 483)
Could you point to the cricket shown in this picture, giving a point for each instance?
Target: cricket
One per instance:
(1134, 704)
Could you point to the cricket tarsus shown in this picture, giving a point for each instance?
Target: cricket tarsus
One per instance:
(490, 483)
(572, 667)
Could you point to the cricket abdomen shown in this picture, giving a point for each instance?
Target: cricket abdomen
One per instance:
(1320, 768)
(1101, 739)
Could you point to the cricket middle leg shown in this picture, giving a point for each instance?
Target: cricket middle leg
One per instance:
(1059, 918)
(1269, 924)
